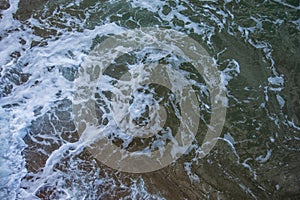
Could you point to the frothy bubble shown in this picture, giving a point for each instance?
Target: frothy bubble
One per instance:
(125, 113)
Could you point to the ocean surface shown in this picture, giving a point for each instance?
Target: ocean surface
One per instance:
(53, 110)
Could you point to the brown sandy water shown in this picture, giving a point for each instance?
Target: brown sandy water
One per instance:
(257, 154)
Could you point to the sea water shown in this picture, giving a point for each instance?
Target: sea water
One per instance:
(254, 46)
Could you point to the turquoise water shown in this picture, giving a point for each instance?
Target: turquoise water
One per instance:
(254, 46)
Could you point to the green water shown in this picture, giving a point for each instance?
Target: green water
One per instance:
(255, 44)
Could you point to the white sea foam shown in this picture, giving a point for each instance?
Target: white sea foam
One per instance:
(68, 51)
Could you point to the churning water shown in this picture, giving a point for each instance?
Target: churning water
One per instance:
(55, 101)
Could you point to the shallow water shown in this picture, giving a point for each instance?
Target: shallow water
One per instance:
(254, 46)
